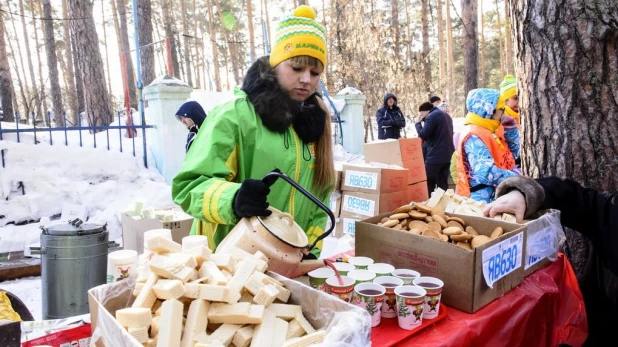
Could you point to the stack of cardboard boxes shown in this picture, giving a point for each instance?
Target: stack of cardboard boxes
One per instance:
(406, 153)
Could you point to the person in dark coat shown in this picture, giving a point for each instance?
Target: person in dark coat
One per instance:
(593, 214)
(390, 119)
(192, 115)
(437, 136)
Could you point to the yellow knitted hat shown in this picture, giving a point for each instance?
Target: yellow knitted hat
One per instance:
(299, 34)
(508, 87)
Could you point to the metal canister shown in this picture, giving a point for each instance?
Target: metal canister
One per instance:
(73, 260)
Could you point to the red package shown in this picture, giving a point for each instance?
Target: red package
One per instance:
(72, 337)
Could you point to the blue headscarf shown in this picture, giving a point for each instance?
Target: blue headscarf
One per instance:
(482, 101)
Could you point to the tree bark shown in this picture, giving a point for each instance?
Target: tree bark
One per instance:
(470, 44)
(250, 27)
(68, 54)
(169, 33)
(23, 86)
(197, 44)
(500, 39)
(213, 41)
(6, 94)
(187, 46)
(395, 27)
(109, 81)
(509, 68)
(126, 50)
(52, 64)
(35, 93)
(268, 22)
(84, 34)
(41, 91)
(144, 26)
(441, 49)
(568, 89)
(483, 79)
(426, 61)
(450, 52)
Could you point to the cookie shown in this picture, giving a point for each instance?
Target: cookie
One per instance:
(391, 223)
(423, 208)
(431, 233)
(452, 231)
(398, 216)
(456, 224)
(437, 218)
(403, 209)
(397, 227)
(456, 219)
(434, 226)
(497, 233)
(415, 231)
(462, 237)
(443, 238)
(384, 220)
(417, 224)
(470, 230)
(428, 219)
(417, 214)
(479, 240)
(464, 245)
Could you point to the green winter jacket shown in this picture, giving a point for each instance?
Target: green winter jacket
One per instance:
(234, 145)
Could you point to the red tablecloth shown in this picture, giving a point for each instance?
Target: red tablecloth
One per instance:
(546, 309)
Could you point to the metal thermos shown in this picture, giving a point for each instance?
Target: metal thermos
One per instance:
(73, 260)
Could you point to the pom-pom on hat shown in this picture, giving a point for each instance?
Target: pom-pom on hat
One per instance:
(299, 34)
(508, 87)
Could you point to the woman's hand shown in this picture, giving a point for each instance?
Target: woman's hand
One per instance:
(513, 202)
(251, 198)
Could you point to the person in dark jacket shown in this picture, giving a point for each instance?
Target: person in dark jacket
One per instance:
(593, 214)
(390, 119)
(437, 136)
(192, 115)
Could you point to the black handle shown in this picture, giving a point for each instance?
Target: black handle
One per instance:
(310, 197)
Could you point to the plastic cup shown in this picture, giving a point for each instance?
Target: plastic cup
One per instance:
(381, 269)
(191, 241)
(389, 306)
(342, 291)
(317, 278)
(410, 302)
(369, 296)
(360, 263)
(344, 268)
(406, 275)
(121, 264)
(362, 276)
(433, 287)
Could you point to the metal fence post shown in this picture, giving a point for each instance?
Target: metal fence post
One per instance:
(17, 125)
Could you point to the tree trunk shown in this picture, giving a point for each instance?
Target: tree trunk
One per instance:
(6, 94)
(395, 27)
(470, 46)
(410, 36)
(68, 53)
(126, 50)
(426, 62)
(52, 64)
(84, 34)
(144, 26)
(109, 73)
(483, 55)
(500, 38)
(250, 27)
(268, 22)
(509, 68)
(169, 33)
(40, 62)
(196, 57)
(449, 52)
(213, 41)
(568, 90)
(79, 81)
(441, 49)
(23, 87)
(37, 101)
(183, 15)
(230, 46)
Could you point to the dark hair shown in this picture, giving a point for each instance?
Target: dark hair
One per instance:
(434, 99)
(426, 106)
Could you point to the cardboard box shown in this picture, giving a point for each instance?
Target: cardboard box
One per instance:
(133, 228)
(416, 170)
(347, 224)
(351, 324)
(418, 192)
(368, 205)
(338, 175)
(368, 179)
(394, 151)
(335, 203)
(463, 272)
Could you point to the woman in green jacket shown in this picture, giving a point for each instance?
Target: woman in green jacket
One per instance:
(275, 121)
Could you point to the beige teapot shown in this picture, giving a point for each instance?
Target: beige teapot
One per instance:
(277, 236)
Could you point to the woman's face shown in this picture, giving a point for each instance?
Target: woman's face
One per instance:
(299, 81)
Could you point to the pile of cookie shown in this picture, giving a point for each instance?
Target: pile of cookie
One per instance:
(421, 219)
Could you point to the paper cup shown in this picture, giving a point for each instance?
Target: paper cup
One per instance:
(191, 241)
(317, 278)
(406, 275)
(410, 302)
(121, 264)
(342, 291)
(362, 276)
(433, 287)
(360, 263)
(389, 306)
(344, 268)
(369, 296)
(381, 269)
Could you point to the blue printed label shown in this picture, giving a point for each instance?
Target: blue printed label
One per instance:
(503, 258)
(539, 247)
(359, 179)
(358, 205)
(349, 226)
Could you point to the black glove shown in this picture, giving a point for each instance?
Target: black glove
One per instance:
(250, 200)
